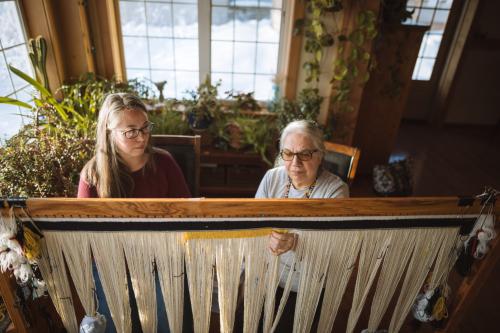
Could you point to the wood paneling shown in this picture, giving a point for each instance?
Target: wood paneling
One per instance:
(386, 93)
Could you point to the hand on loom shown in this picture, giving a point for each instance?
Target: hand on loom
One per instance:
(280, 243)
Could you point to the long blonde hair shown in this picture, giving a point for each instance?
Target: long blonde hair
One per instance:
(106, 171)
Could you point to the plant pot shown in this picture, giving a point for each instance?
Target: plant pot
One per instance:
(199, 123)
(233, 131)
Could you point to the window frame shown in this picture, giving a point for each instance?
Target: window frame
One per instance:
(204, 41)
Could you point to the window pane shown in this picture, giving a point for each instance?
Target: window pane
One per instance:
(267, 58)
(186, 81)
(185, 21)
(424, 69)
(169, 76)
(12, 32)
(10, 121)
(269, 26)
(161, 53)
(186, 54)
(5, 84)
(270, 3)
(425, 17)
(133, 18)
(18, 57)
(245, 25)
(222, 56)
(136, 52)
(220, 2)
(243, 82)
(429, 3)
(186, 1)
(222, 23)
(249, 3)
(138, 74)
(244, 57)
(414, 16)
(440, 19)
(432, 46)
(263, 87)
(226, 81)
(445, 4)
(159, 19)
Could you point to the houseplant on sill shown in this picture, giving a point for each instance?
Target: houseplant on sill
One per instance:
(203, 106)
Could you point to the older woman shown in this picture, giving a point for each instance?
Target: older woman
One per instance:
(301, 176)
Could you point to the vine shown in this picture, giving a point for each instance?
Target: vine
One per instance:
(352, 53)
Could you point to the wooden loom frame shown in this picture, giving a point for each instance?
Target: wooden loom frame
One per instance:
(259, 208)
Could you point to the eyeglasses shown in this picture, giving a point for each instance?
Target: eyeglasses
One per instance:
(134, 133)
(304, 155)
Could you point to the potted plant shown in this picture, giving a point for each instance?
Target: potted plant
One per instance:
(232, 128)
(203, 106)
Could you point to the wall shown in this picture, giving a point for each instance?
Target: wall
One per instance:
(474, 95)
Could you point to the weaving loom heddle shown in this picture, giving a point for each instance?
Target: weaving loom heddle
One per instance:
(389, 241)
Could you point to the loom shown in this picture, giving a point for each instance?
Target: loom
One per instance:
(380, 243)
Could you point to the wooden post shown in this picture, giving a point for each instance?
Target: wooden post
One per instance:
(7, 289)
(116, 40)
(347, 121)
(293, 56)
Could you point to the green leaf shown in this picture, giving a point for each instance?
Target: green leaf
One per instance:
(12, 101)
(318, 55)
(30, 80)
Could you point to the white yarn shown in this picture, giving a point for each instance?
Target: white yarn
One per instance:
(229, 259)
(272, 281)
(395, 260)
(53, 270)
(256, 266)
(79, 260)
(200, 263)
(375, 243)
(169, 259)
(140, 258)
(110, 261)
(346, 246)
(316, 254)
(418, 268)
(286, 289)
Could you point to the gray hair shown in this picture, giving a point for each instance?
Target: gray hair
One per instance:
(308, 128)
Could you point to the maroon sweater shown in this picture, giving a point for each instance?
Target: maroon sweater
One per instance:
(167, 181)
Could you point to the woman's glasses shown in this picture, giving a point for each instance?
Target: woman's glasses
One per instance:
(134, 133)
(304, 155)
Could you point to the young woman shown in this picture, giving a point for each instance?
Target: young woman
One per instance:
(125, 164)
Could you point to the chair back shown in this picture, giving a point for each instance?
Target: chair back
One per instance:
(186, 151)
(341, 160)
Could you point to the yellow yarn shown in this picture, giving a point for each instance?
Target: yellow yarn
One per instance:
(440, 311)
(228, 234)
(31, 246)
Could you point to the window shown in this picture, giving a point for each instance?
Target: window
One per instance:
(236, 41)
(433, 13)
(13, 51)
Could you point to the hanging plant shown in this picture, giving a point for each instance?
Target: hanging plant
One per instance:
(352, 56)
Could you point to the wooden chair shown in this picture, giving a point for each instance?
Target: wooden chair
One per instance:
(341, 160)
(186, 152)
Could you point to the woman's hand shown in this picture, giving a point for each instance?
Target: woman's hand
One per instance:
(280, 243)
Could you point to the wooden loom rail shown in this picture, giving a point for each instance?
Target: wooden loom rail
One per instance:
(205, 208)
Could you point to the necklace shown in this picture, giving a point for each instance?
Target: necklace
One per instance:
(309, 190)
